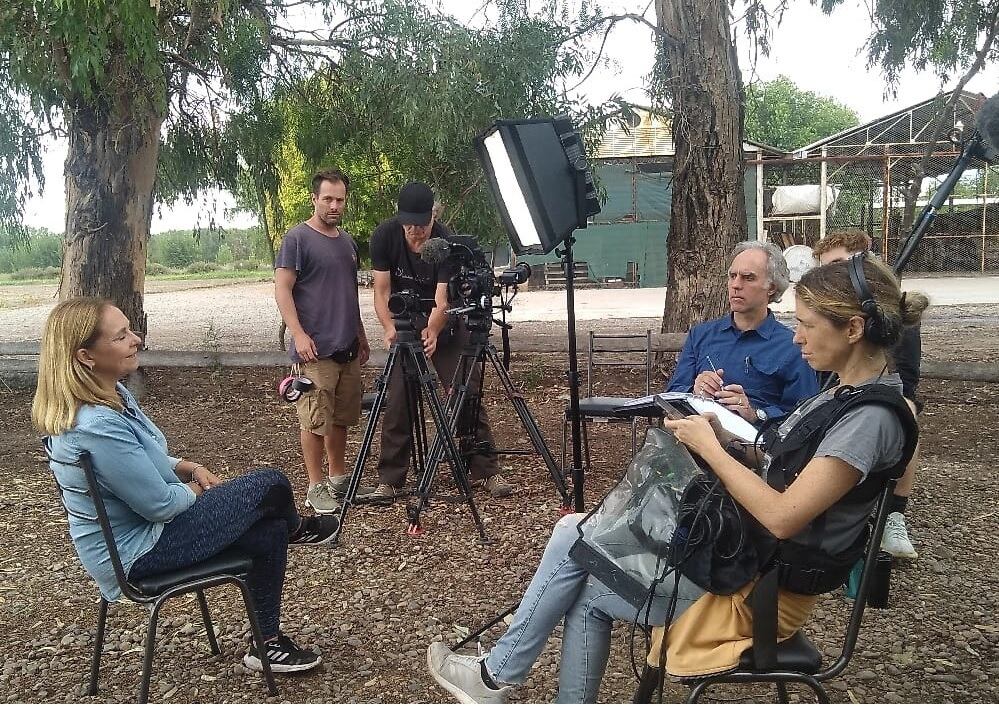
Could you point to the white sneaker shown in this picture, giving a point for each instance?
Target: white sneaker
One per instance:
(895, 540)
(461, 676)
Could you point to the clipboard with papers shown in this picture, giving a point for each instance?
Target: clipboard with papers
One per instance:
(686, 404)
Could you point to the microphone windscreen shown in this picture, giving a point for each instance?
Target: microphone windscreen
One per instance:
(435, 251)
(987, 122)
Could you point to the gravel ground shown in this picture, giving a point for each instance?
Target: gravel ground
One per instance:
(373, 602)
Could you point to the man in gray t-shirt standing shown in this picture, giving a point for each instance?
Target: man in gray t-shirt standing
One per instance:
(315, 285)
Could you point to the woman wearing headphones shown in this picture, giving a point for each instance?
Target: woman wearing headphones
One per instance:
(166, 513)
(846, 323)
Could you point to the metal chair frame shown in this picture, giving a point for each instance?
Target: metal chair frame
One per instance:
(586, 404)
(156, 601)
(652, 677)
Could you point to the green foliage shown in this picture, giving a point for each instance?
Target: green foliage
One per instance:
(39, 249)
(385, 89)
(32, 273)
(941, 35)
(407, 109)
(780, 114)
(178, 249)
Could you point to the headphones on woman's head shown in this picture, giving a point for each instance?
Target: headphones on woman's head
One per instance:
(878, 328)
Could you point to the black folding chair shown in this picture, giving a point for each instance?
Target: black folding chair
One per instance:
(610, 350)
(230, 566)
(797, 659)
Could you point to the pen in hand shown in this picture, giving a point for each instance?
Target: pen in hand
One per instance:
(706, 388)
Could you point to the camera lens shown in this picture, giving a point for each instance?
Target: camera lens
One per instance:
(518, 274)
(403, 302)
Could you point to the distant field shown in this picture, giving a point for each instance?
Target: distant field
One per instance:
(247, 275)
(15, 294)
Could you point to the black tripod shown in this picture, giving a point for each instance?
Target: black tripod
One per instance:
(420, 384)
(464, 417)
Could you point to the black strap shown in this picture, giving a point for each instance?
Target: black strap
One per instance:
(763, 603)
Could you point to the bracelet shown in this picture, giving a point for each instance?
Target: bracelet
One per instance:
(193, 477)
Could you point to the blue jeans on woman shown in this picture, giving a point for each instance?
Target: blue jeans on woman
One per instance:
(562, 589)
(255, 513)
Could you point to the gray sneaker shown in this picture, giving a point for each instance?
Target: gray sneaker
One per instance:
(384, 495)
(321, 499)
(461, 676)
(498, 486)
(338, 486)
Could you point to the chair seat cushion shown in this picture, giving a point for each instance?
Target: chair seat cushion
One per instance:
(604, 407)
(230, 561)
(795, 654)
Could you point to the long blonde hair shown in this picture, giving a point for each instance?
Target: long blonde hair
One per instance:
(64, 383)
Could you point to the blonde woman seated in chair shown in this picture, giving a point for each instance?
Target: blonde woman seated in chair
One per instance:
(165, 513)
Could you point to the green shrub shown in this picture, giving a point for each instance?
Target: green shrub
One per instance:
(155, 268)
(26, 273)
(247, 265)
(200, 266)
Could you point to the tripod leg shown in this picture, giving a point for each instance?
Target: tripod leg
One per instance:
(455, 403)
(429, 476)
(443, 424)
(369, 434)
(530, 426)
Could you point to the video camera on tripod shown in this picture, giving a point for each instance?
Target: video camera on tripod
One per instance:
(405, 303)
(474, 284)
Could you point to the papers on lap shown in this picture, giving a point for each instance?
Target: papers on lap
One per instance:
(687, 404)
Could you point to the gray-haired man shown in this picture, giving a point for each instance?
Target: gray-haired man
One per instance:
(747, 360)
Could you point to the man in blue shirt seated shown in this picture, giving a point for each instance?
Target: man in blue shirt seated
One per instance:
(747, 360)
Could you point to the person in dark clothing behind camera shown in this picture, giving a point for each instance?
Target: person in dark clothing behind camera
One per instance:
(397, 266)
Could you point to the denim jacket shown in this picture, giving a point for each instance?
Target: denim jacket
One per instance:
(136, 479)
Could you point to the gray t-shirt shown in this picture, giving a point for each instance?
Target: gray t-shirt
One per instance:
(869, 438)
(325, 291)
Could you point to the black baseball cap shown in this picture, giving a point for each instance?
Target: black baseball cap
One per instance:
(416, 204)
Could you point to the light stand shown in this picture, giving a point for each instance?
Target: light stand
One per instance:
(569, 268)
(538, 174)
(576, 471)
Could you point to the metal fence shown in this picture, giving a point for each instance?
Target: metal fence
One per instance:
(882, 194)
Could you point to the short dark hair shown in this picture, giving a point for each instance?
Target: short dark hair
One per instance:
(333, 175)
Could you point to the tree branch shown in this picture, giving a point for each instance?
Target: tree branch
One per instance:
(612, 20)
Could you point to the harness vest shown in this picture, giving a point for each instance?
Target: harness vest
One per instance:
(803, 567)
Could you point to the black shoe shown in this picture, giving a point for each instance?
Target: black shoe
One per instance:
(284, 656)
(320, 529)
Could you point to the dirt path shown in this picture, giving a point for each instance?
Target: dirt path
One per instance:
(214, 315)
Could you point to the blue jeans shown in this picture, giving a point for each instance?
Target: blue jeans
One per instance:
(254, 512)
(561, 589)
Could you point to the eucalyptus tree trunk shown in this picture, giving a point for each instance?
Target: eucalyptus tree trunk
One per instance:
(110, 171)
(709, 204)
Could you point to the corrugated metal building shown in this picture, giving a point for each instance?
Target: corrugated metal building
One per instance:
(633, 167)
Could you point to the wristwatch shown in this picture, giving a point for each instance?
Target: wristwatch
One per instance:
(762, 416)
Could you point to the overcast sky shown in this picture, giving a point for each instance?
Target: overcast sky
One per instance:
(819, 53)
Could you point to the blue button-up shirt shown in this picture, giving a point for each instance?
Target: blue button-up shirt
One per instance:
(765, 361)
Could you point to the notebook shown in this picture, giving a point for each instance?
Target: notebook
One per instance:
(687, 404)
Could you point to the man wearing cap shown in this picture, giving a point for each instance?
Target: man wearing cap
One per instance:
(396, 264)
(315, 285)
